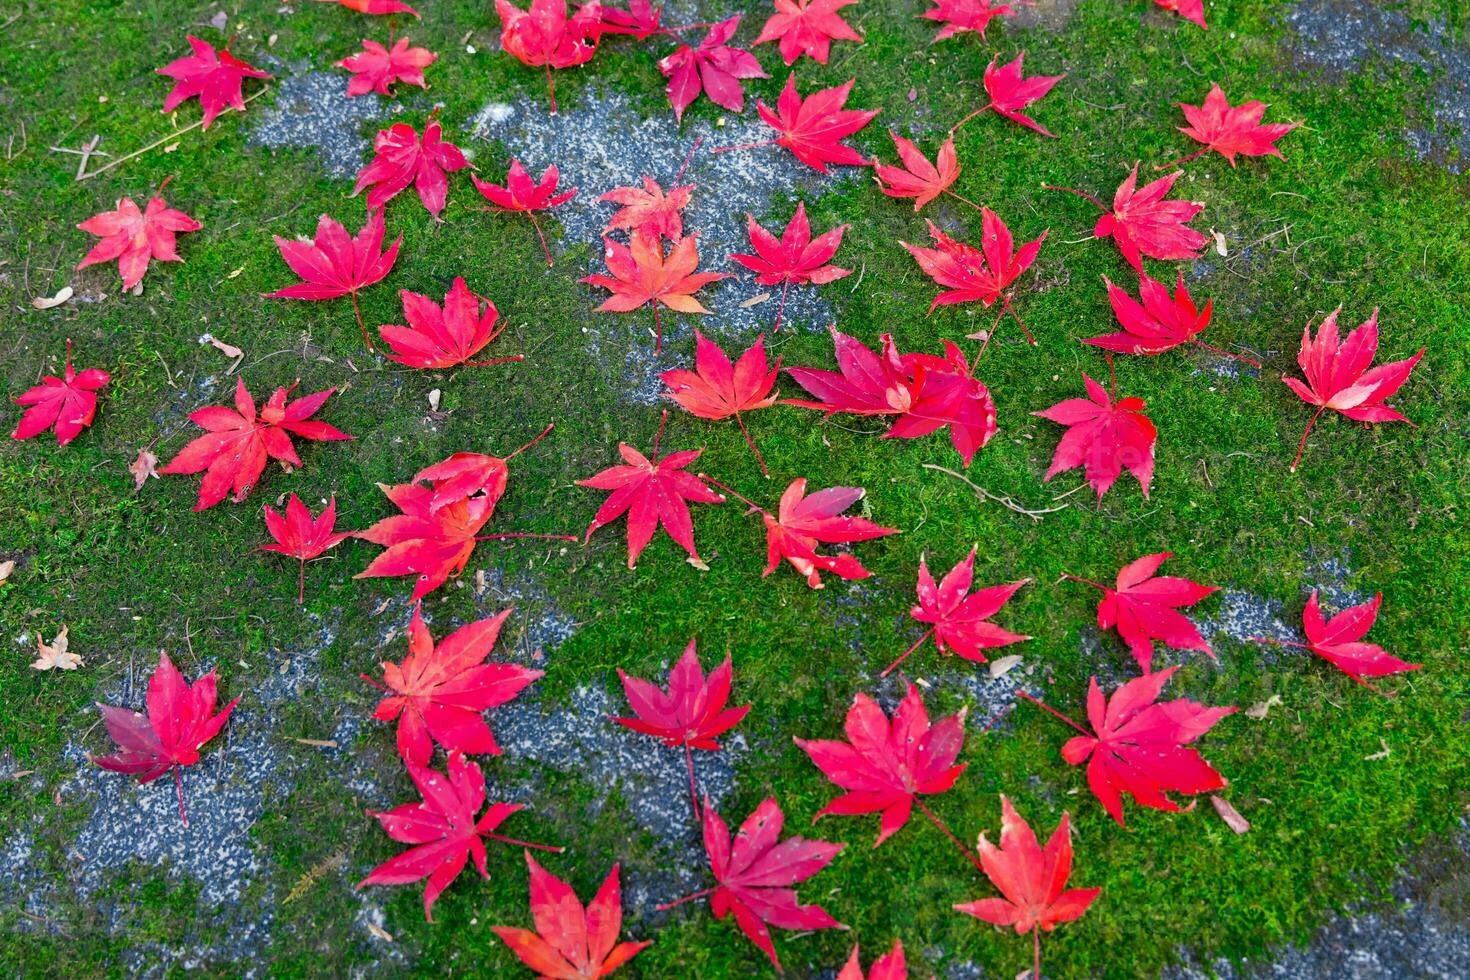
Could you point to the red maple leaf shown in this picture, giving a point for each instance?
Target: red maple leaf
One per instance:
(438, 692)
(959, 16)
(1338, 376)
(641, 273)
(649, 210)
(1137, 745)
(918, 178)
(1142, 607)
(571, 942)
(890, 966)
(925, 392)
(652, 492)
(68, 403)
(443, 337)
(337, 264)
(402, 158)
(180, 720)
(960, 619)
(134, 237)
(754, 875)
(1010, 92)
(377, 67)
(525, 195)
(796, 258)
(1191, 10)
(813, 128)
(690, 713)
(376, 6)
(233, 451)
(714, 68)
(545, 36)
(444, 830)
(1160, 322)
(717, 389)
(981, 274)
(640, 20)
(886, 764)
(808, 27)
(303, 537)
(1142, 223)
(436, 532)
(1338, 641)
(214, 76)
(1105, 436)
(1230, 130)
(1032, 880)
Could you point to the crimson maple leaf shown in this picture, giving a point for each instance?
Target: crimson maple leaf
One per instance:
(68, 403)
(690, 713)
(1142, 606)
(525, 195)
(918, 178)
(377, 67)
(1137, 745)
(134, 237)
(649, 210)
(571, 942)
(1142, 222)
(808, 27)
(959, 16)
(337, 264)
(754, 875)
(1191, 10)
(796, 258)
(402, 157)
(1160, 323)
(214, 76)
(1230, 130)
(545, 36)
(640, 20)
(714, 68)
(886, 764)
(180, 721)
(1010, 92)
(890, 966)
(641, 273)
(1105, 436)
(376, 6)
(1338, 376)
(444, 830)
(925, 392)
(981, 274)
(443, 337)
(438, 692)
(303, 537)
(652, 492)
(960, 619)
(717, 389)
(233, 451)
(1339, 641)
(1032, 879)
(813, 128)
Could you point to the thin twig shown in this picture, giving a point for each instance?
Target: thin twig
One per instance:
(999, 498)
(160, 142)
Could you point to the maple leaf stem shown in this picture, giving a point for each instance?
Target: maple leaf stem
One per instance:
(525, 843)
(687, 898)
(969, 117)
(1052, 187)
(498, 360)
(658, 337)
(693, 790)
(736, 494)
(374, 683)
(1036, 936)
(551, 84)
(1084, 581)
(301, 584)
(785, 288)
(1247, 360)
(533, 442)
(1112, 378)
(360, 325)
(917, 643)
(688, 159)
(1303, 446)
(179, 785)
(1174, 163)
(663, 419)
(1048, 708)
(744, 146)
(944, 829)
(537, 225)
(751, 443)
(963, 200)
(1007, 308)
(544, 537)
(1278, 643)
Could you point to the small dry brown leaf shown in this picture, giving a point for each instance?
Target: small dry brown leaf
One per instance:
(320, 743)
(1230, 815)
(380, 932)
(229, 350)
(435, 395)
(6, 567)
(1001, 666)
(1260, 708)
(142, 468)
(755, 300)
(47, 302)
(55, 655)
